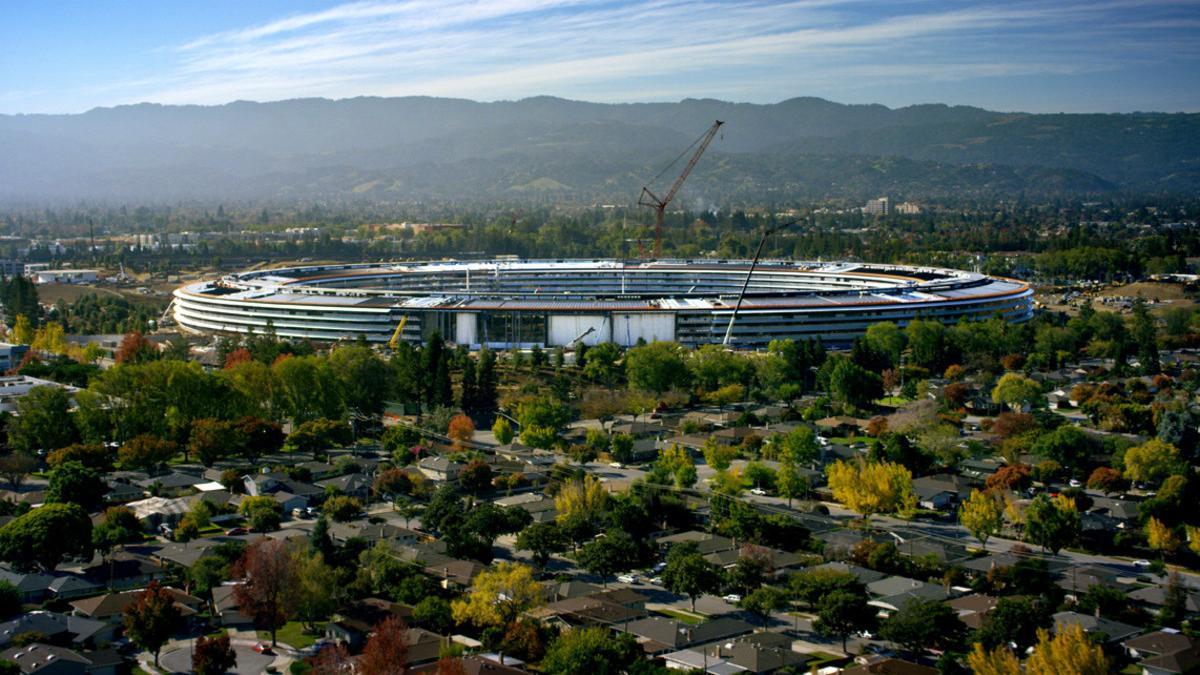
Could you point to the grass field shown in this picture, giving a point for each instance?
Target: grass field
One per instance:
(684, 617)
(292, 634)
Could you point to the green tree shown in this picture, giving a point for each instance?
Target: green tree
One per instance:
(211, 440)
(842, 612)
(602, 364)
(1152, 461)
(789, 483)
(595, 650)
(1051, 525)
(1016, 391)
(76, 483)
(923, 624)
(688, 573)
(927, 343)
(657, 367)
(152, 619)
(853, 385)
(146, 452)
(43, 420)
(315, 594)
(41, 538)
(502, 430)
(612, 553)
(1016, 620)
(718, 455)
(542, 540)
(887, 339)
(764, 600)
(318, 435)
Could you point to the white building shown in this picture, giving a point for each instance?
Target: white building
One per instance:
(65, 277)
(881, 206)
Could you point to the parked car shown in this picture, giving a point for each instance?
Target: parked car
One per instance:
(758, 491)
(628, 578)
(732, 598)
(1142, 563)
(263, 648)
(236, 531)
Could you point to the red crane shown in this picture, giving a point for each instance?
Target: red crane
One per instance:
(650, 199)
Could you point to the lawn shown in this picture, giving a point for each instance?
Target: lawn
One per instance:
(292, 633)
(684, 617)
(849, 440)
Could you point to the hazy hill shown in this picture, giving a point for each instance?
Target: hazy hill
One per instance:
(548, 148)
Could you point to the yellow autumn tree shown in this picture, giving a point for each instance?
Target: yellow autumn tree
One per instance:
(1193, 538)
(1161, 537)
(982, 515)
(22, 331)
(50, 338)
(1069, 651)
(498, 596)
(581, 500)
(999, 661)
(871, 487)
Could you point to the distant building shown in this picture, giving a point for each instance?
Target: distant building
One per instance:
(65, 277)
(12, 268)
(13, 387)
(908, 208)
(881, 206)
(11, 355)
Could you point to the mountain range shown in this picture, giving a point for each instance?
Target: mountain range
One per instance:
(550, 149)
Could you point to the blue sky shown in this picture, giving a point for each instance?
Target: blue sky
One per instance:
(1040, 56)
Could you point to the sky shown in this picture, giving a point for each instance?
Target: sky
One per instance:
(70, 56)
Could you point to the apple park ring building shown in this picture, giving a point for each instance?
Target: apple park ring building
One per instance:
(505, 303)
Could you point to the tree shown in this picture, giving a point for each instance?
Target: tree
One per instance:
(15, 467)
(1069, 651)
(342, 509)
(798, 445)
(1174, 609)
(842, 612)
(853, 385)
(871, 487)
(612, 553)
(764, 600)
(269, 573)
(498, 596)
(718, 455)
(582, 500)
(318, 435)
(211, 440)
(206, 574)
(44, 536)
(152, 619)
(923, 624)
(146, 452)
(595, 650)
(10, 600)
(1010, 477)
(259, 437)
(135, 348)
(75, 483)
(999, 661)
(1014, 620)
(1051, 525)
(476, 476)
(43, 420)
(600, 364)
(213, 656)
(1160, 537)
(621, 448)
(1107, 480)
(813, 584)
(1152, 461)
(502, 430)
(1016, 391)
(674, 465)
(120, 526)
(433, 613)
(461, 430)
(789, 483)
(92, 455)
(657, 367)
(688, 573)
(386, 652)
(315, 594)
(982, 514)
(542, 540)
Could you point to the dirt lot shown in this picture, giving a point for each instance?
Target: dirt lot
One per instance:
(1149, 290)
(52, 293)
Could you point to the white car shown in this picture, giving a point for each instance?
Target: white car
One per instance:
(616, 465)
(732, 598)
(627, 579)
(1142, 563)
(657, 581)
(758, 491)
(1075, 483)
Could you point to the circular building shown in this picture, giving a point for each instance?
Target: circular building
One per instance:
(506, 303)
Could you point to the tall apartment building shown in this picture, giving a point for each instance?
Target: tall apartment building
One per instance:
(881, 206)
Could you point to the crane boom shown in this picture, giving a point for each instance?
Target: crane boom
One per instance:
(652, 200)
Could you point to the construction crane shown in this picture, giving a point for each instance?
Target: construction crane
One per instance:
(395, 341)
(652, 200)
(746, 284)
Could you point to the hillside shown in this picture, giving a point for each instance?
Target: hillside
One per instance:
(548, 148)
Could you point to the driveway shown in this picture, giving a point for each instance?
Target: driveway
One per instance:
(249, 662)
